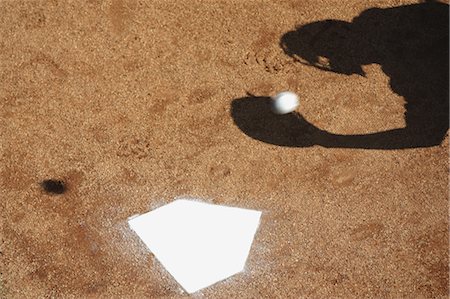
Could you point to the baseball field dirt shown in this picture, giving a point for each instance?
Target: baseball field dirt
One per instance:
(110, 109)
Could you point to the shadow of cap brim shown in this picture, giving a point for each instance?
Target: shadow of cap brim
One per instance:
(254, 116)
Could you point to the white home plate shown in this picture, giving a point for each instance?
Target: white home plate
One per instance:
(199, 244)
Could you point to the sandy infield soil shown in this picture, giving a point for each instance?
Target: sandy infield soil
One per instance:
(133, 103)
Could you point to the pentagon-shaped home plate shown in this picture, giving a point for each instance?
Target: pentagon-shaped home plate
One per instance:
(198, 243)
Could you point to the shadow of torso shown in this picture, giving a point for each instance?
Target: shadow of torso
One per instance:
(411, 45)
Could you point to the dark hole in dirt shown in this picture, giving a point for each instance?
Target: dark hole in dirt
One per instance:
(54, 186)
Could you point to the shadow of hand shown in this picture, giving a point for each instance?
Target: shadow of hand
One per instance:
(253, 115)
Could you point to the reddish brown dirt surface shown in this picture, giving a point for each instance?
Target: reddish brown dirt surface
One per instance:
(128, 103)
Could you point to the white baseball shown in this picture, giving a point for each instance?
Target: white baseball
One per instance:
(285, 102)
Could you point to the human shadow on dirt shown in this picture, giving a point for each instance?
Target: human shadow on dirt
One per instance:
(411, 43)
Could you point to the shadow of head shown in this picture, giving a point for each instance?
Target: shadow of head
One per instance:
(329, 45)
(403, 40)
(254, 116)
